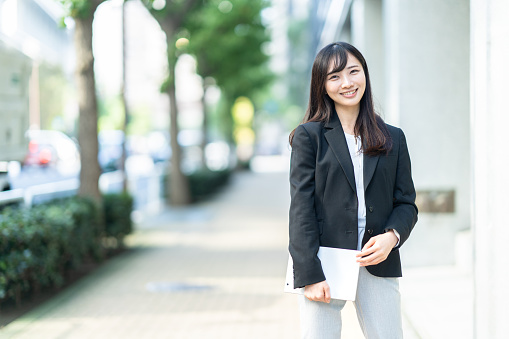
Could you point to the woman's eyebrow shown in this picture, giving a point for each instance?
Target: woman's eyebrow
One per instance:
(333, 71)
(336, 71)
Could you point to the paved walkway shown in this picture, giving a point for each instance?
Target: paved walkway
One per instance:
(215, 270)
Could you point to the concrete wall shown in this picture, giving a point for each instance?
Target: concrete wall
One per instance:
(427, 95)
(368, 36)
(490, 118)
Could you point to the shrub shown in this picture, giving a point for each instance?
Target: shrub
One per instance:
(205, 182)
(117, 215)
(41, 245)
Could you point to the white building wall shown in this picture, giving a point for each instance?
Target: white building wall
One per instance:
(32, 26)
(368, 36)
(427, 82)
(490, 118)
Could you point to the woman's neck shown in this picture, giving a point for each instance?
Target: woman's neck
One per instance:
(348, 117)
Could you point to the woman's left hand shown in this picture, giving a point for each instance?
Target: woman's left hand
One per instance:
(377, 249)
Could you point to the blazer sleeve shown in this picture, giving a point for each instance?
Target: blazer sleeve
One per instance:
(404, 213)
(304, 230)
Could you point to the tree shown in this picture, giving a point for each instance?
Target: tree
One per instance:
(171, 15)
(227, 39)
(82, 11)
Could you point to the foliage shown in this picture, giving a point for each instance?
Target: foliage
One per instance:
(205, 182)
(140, 121)
(55, 90)
(81, 9)
(41, 245)
(111, 113)
(117, 215)
(171, 16)
(111, 116)
(227, 38)
(228, 44)
(170, 8)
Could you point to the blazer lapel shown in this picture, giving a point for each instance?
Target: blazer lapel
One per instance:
(337, 142)
(370, 163)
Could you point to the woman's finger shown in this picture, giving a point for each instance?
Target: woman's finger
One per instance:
(317, 292)
(370, 243)
(372, 259)
(327, 294)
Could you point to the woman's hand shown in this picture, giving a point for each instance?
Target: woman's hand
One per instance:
(318, 292)
(377, 249)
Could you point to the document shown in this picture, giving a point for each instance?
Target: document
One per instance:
(341, 271)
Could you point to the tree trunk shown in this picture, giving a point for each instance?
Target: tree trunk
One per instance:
(178, 182)
(205, 127)
(87, 126)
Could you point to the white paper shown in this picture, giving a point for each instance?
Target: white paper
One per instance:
(341, 271)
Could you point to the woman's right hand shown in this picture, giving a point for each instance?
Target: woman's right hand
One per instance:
(318, 292)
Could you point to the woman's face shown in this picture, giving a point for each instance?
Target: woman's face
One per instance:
(346, 87)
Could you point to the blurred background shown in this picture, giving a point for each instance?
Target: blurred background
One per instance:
(184, 107)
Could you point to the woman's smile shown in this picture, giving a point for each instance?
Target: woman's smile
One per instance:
(350, 94)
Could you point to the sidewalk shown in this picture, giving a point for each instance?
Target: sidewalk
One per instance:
(438, 302)
(215, 270)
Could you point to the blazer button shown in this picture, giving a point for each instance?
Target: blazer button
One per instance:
(370, 231)
(371, 208)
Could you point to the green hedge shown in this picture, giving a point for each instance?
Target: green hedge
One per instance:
(39, 246)
(205, 182)
(118, 223)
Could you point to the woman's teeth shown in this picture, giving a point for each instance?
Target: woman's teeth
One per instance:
(349, 93)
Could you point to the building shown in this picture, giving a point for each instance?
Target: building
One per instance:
(34, 28)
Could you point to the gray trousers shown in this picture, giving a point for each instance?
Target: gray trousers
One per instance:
(378, 306)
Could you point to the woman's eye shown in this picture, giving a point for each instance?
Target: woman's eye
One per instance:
(333, 77)
(355, 71)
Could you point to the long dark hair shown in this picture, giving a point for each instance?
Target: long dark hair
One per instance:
(369, 125)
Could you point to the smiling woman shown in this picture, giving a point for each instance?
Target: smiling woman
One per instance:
(346, 87)
(338, 69)
(351, 188)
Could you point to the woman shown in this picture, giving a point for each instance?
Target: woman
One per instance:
(351, 187)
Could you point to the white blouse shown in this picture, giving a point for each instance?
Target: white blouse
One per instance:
(355, 148)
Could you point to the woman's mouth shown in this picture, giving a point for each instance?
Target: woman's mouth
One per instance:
(350, 94)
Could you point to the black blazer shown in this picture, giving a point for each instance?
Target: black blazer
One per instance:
(323, 209)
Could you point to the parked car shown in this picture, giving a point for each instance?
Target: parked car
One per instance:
(52, 149)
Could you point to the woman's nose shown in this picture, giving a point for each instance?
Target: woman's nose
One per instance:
(346, 82)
